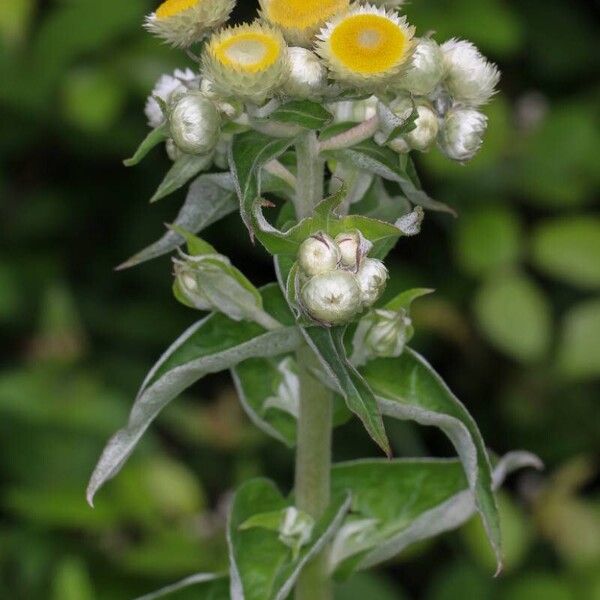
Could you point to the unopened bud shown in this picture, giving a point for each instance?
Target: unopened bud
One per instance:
(427, 69)
(372, 278)
(332, 298)
(308, 76)
(422, 136)
(353, 247)
(187, 285)
(461, 134)
(318, 254)
(470, 78)
(195, 123)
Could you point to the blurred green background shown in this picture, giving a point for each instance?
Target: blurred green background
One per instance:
(514, 326)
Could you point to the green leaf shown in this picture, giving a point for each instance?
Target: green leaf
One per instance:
(404, 300)
(214, 587)
(262, 567)
(569, 249)
(382, 235)
(408, 388)
(488, 239)
(249, 152)
(183, 169)
(214, 344)
(307, 114)
(155, 137)
(382, 161)
(391, 125)
(579, 349)
(210, 198)
(196, 246)
(515, 316)
(329, 347)
(400, 502)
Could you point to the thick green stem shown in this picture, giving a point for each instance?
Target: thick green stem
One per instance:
(313, 467)
(309, 181)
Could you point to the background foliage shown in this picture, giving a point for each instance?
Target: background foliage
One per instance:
(514, 326)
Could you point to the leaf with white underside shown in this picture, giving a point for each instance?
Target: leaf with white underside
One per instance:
(261, 566)
(209, 586)
(214, 344)
(182, 170)
(382, 161)
(408, 388)
(210, 198)
(155, 137)
(398, 503)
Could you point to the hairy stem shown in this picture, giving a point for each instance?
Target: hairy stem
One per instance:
(309, 184)
(313, 467)
(361, 132)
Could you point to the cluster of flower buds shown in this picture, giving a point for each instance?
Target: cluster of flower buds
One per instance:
(336, 279)
(318, 49)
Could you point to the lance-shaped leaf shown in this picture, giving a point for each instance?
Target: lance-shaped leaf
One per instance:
(391, 125)
(248, 153)
(155, 137)
(383, 161)
(207, 586)
(210, 198)
(328, 344)
(398, 503)
(262, 567)
(307, 114)
(182, 170)
(408, 388)
(214, 344)
(382, 235)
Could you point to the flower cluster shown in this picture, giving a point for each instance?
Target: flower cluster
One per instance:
(322, 50)
(336, 279)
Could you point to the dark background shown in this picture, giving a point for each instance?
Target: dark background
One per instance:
(514, 326)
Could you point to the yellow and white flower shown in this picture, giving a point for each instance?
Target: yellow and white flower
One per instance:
(182, 23)
(367, 46)
(248, 62)
(300, 20)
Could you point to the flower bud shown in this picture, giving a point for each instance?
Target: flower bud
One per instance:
(165, 88)
(195, 123)
(332, 298)
(353, 247)
(427, 69)
(308, 76)
(318, 254)
(461, 134)
(187, 286)
(422, 136)
(173, 152)
(470, 78)
(372, 277)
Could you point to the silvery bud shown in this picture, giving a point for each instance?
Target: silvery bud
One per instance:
(195, 123)
(381, 333)
(353, 247)
(173, 152)
(427, 69)
(231, 110)
(166, 88)
(188, 285)
(422, 136)
(372, 278)
(318, 254)
(461, 134)
(332, 298)
(470, 78)
(308, 75)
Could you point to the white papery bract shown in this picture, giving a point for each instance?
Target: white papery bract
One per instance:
(167, 85)
(308, 75)
(461, 134)
(332, 298)
(194, 122)
(470, 78)
(427, 69)
(182, 23)
(372, 278)
(247, 62)
(367, 47)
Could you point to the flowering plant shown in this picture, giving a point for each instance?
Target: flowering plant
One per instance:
(315, 107)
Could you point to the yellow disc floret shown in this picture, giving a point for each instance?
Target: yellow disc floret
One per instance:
(182, 23)
(300, 20)
(247, 61)
(366, 46)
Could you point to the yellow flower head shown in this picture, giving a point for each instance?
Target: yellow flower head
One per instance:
(182, 23)
(246, 61)
(366, 46)
(300, 20)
